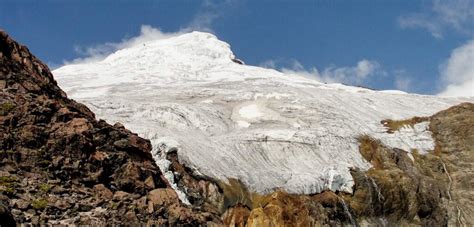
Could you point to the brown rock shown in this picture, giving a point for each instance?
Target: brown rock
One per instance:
(102, 192)
(121, 195)
(149, 182)
(130, 217)
(150, 208)
(163, 197)
(57, 161)
(140, 143)
(85, 191)
(159, 222)
(128, 178)
(179, 214)
(134, 143)
(99, 156)
(77, 126)
(119, 125)
(62, 204)
(58, 189)
(141, 203)
(327, 199)
(21, 204)
(236, 216)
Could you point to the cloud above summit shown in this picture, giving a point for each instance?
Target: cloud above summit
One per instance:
(100, 51)
(457, 74)
(209, 11)
(441, 16)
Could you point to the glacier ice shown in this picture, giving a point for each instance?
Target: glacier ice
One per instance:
(268, 129)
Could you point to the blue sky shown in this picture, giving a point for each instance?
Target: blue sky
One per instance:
(416, 46)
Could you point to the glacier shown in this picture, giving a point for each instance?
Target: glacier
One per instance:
(271, 130)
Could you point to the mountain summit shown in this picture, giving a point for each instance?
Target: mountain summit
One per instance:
(226, 120)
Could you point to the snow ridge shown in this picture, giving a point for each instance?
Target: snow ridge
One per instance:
(268, 129)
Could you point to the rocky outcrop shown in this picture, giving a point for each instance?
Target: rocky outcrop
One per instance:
(453, 130)
(60, 165)
(401, 189)
(200, 190)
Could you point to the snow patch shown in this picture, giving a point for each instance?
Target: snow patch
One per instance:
(408, 138)
(250, 112)
(243, 124)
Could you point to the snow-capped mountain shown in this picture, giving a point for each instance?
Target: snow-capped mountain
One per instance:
(227, 120)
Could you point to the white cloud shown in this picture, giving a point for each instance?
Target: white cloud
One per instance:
(269, 64)
(202, 21)
(442, 15)
(99, 52)
(458, 72)
(210, 11)
(354, 75)
(402, 82)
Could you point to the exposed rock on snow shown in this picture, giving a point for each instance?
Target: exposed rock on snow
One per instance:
(268, 129)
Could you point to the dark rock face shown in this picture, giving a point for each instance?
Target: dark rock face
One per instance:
(60, 165)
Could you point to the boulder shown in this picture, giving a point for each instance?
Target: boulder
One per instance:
(102, 192)
(162, 197)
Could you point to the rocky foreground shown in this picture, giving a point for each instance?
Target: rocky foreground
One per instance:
(59, 165)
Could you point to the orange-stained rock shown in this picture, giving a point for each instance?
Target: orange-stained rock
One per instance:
(236, 216)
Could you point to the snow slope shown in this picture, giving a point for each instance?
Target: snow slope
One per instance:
(227, 120)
